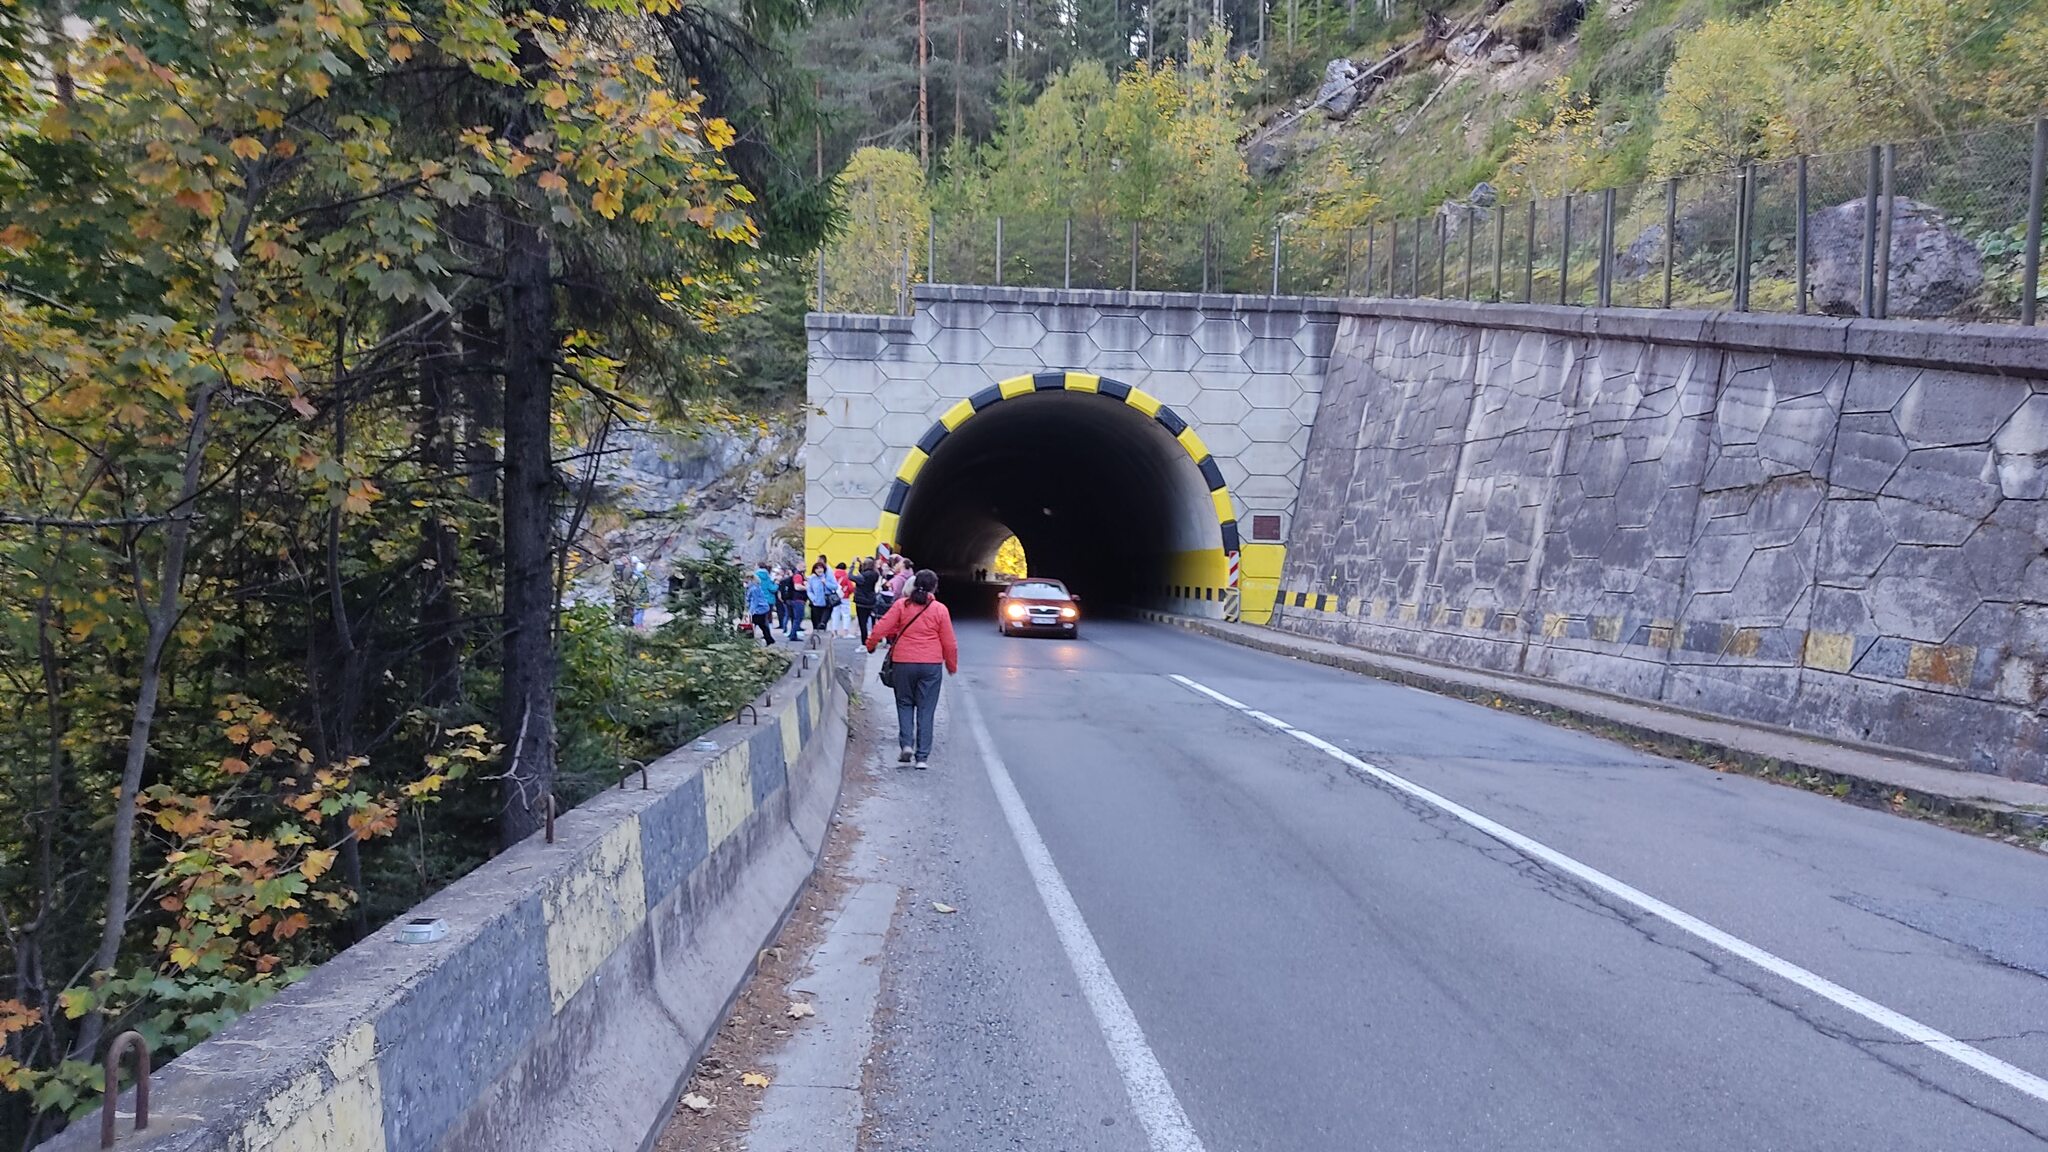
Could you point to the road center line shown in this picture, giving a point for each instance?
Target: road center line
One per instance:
(1883, 1017)
(1152, 1096)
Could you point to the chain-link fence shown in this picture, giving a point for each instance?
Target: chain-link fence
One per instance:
(1946, 228)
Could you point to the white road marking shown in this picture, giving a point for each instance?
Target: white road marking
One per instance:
(1883, 1017)
(1152, 1096)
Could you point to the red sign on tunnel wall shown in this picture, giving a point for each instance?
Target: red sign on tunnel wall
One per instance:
(1266, 528)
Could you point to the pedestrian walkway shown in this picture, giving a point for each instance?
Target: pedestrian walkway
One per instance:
(1862, 773)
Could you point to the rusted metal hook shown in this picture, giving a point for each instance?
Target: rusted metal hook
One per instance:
(747, 709)
(122, 1043)
(551, 818)
(807, 660)
(640, 768)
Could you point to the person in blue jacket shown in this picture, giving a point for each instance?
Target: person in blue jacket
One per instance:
(761, 604)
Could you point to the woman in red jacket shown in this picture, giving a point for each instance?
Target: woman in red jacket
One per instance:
(920, 632)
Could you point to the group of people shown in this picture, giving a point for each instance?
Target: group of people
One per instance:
(885, 599)
(837, 600)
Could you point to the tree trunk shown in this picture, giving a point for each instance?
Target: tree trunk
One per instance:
(441, 642)
(924, 107)
(959, 72)
(162, 618)
(527, 706)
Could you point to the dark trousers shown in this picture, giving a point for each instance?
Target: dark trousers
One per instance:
(917, 705)
(864, 615)
(763, 628)
(821, 617)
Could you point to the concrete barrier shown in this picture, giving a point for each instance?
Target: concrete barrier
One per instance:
(577, 984)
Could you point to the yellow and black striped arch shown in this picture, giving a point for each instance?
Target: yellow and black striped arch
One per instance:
(1114, 391)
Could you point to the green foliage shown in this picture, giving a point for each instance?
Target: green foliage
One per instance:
(628, 696)
(1723, 103)
(887, 217)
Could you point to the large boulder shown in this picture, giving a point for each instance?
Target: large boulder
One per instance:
(1339, 94)
(1935, 269)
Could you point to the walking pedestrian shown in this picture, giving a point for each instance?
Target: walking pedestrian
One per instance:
(792, 598)
(761, 604)
(899, 584)
(864, 597)
(922, 651)
(821, 593)
(842, 612)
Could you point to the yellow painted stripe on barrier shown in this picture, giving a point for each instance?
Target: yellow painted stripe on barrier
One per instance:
(957, 414)
(1083, 382)
(339, 1105)
(591, 909)
(728, 794)
(914, 460)
(1221, 499)
(1143, 401)
(1016, 386)
(792, 736)
(1193, 443)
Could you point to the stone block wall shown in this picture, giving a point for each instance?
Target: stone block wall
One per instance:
(1830, 525)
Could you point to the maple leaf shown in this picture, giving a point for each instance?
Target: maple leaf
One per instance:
(246, 147)
(754, 1079)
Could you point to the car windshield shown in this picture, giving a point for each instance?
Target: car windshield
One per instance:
(1038, 590)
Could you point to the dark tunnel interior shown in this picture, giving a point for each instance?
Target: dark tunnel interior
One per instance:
(1099, 494)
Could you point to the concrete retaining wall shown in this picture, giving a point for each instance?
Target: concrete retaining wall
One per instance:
(577, 985)
(1831, 525)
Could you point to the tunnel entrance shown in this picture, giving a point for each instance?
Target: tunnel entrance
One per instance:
(1103, 493)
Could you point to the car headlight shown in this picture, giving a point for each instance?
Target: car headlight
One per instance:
(1014, 611)
(1068, 613)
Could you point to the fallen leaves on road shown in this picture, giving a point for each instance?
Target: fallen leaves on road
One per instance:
(946, 908)
(754, 1079)
(798, 1010)
(696, 1103)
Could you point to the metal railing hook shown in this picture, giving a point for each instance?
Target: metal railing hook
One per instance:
(550, 827)
(122, 1043)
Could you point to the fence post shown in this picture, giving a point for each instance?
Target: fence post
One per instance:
(1883, 274)
(1415, 263)
(1670, 234)
(931, 250)
(1276, 260)
(1607, 248)
(1867, 303)
(2030, 278)
(1799, 233)
(1208, 240)
(1529, 257)
(1134, 255)
(1471, 222)
(1393, 256)
(999, 251)
(821, 279)
(1564, 254)
(903, 302)
(1350, 236)
(1067, 259)
(1500, 236)
(1745, 223)
(1371, 267)
(1443, 249)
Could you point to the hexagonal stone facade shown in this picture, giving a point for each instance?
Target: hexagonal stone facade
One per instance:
(1244, 372)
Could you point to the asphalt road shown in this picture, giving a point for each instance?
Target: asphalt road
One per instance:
(1319, 961)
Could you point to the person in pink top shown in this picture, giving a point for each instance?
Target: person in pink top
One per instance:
(921, 644)
(899, 584)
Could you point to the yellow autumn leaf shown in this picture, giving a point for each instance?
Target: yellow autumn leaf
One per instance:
(246, 147)
(316, 863)
(754, 1079)
(552, 181)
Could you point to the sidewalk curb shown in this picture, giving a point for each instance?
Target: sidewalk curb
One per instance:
(2015, 825)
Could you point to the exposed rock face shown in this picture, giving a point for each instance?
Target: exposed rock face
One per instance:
(1935, 269)
(663, 494)
(1339, 94)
